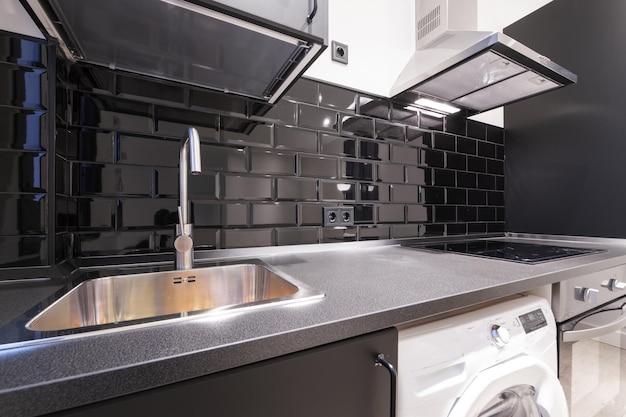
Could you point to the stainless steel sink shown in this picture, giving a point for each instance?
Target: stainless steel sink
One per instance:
(168, 294)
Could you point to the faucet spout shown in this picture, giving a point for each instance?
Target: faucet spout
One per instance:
(189, 161)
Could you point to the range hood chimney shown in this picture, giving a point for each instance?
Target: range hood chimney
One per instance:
(472, 69)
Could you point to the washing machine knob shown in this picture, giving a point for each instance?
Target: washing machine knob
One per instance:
(500, 335)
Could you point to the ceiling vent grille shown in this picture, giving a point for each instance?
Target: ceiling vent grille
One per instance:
(428, 23)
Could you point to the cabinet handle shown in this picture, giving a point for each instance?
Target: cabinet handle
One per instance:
(380, 360)
(309, 18)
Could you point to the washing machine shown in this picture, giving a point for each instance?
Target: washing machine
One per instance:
(499, 360)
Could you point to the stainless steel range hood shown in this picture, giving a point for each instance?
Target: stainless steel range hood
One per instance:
(256, 53)
(476, 70)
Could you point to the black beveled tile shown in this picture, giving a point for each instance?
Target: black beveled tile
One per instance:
(466, 179)
(486, 214)
(166, 181)
(296, 189)
(93, 145)
(357, 170)
(335, 145)
(23, 171)
(282, 112)
(374, 232)
(391, 213)
(291, 138)
(500, 214)
(27, 214)
(480, 228)
(476, 164)
(399, 231)
(94, 179)
(456, 196)
(444, 142)
(432, 158)
(335, 97)
(148, 212)
(476, 197)
(66, 216)
(270, 162)
(495, 166)
(404, 193)
(495, 198)
(136, 150)
(178, 131)
(375, 150)
(371, 192)
(311, 214)
(390, 173)
(444, 177)
(235, 214)
(444, 214)
(212, 100)
(356, 125)
(296, 235)
(415, 175)
(114, 243)
(495, 227)
(467, 213)
(404, 154)
(402, 115)
(456, 161)
(63, 110)
(487, 149)
(23, 129)
(174, 122)
(476, 130)
(500, 183)
(143, 88)
(486, 182)
(206, 213)
(317, 118)
(23, 87)
(317, 166)
(87, 77)
(337, 191)
(22, 51)
(466, 145)
(18, 251)
(429, 121)
(277, 214)
(245, 132)
(495, 134)
(332, 235)
(203, 186)
(419, 214)
(223, 158)
(237, 187)
(112, 113)
(373, 107)
(363, 213)
(456, 229)
(500, 152)
(429, 176)
(418, 138)
(304, 91)
(433, 195)
(430, 230)
(456, 125)
(386, 130)
(62, 176)
(243, 238)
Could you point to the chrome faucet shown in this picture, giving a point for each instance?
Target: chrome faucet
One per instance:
(189, 151)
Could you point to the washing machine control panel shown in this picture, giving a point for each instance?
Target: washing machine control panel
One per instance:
(532, 321)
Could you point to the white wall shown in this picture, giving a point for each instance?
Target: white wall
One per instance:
(13, 18)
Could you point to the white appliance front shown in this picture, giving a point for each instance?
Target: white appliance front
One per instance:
(498, 360)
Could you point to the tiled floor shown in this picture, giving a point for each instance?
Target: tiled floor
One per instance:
(599, 375)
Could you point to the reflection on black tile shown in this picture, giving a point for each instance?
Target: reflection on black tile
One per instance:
(27, 87)
(467, 214)
(500, 152)
(358, 126)
(374, 107)
(429, 121)
(138, 150)
(495, 227)
(373, 150)
(221, 158)
(429, 230)
(295, 139)
(335, 145)
(487, 149)
(88, 77)
(477, 197)
(404, 230)
(277, 214)
(23, 129)
(216, 101)
(111, 180)
(500, 183)
(404, 154)
(243, 238)
(370, 192)
(284, 111)
(445, 214)
(456, 196)
(206, 213)
(495, 167)
(337, 191)
(92, 145)
(27, 214)
(487, 214)
(495, 134)
(495, 198)
(303, 90)
(431, 158)
(476, 228)
(245, 132)
(142, 87)
(486, 182)
(235, 214)
(174, 122)
(178, 130)
(363, 213)
(390, 173)
(267, 162)
(336, 97)
(476, 129)
(386, 130)
(456, 161)
(237, 187)
(203, 186)
(466, 145)
(417, 137)
(115, 243)
(311, 214)
(148, 212)
(18, 251)
(112, 113)
(317, 118)
(296, 189)
(401, 115)
(166, 182)
(374, 232)
(97, 213)
(317, 166)
(357, 170)
(332, 235)
(23, 172)
(415, 175)
(445, 142)
(418, 214)
(456, 229)
(433, 195)
(500, 214)
(22, 51)
(404, 193)
(476, 164)
(297, 236)
(456, 125)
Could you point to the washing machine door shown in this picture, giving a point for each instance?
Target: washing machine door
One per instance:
(520, 387)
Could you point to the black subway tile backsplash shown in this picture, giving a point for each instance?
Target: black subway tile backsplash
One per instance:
(296, 189)
(25, 87)
(270, 162)
(23, 171)
(245, 132)
(335, 97)
(23, 129)
(335, 145)
(317, 118)
(295, 139)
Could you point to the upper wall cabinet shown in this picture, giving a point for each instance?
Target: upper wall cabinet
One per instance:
(254, 49)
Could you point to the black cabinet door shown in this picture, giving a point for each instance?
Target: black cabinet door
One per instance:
(340, 379)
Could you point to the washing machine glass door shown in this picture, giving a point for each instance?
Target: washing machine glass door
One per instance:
(518, 401)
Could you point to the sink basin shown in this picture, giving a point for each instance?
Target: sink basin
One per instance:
(168, 294)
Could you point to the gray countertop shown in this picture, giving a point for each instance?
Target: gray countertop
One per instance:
(368, 287)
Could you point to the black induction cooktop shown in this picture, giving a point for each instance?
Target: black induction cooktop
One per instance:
(509, 251)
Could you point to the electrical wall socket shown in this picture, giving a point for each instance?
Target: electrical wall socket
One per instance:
(338, 216)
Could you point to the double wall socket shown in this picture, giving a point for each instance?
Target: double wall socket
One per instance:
(338, 216)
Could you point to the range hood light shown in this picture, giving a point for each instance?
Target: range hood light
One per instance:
(426, 112)
(437, 105)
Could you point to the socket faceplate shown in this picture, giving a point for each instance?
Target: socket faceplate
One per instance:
(338, 216)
